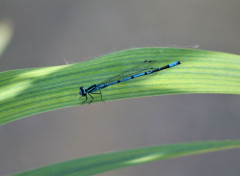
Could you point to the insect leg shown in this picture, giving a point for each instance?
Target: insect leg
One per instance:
(100, 94)
(91, 97)
(85, 99)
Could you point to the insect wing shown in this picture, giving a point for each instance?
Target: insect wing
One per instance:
(139, 68)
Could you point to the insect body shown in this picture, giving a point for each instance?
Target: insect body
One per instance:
(97, 87)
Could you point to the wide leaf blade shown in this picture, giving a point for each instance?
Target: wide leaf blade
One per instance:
(109, 161)
(31, 91)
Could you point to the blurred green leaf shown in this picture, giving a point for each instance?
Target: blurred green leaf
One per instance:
(31, 91)
(6, 32)
(114, 160)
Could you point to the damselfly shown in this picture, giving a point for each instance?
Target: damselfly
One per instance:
(119, 79)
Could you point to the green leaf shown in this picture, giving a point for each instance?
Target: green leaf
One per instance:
(114, 160)
(31, 91)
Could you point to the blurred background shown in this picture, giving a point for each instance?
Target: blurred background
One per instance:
(48, 33)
